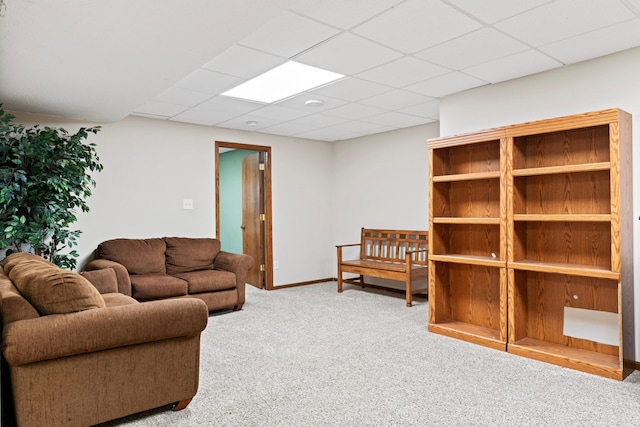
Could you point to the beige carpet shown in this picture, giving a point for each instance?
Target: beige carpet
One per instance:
(309, 356)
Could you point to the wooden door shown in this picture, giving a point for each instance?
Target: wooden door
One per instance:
(252, 223)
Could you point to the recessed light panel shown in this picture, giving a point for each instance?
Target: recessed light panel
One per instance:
(282, 82)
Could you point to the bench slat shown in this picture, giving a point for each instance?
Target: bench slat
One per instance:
(379, 245)
(381, 265)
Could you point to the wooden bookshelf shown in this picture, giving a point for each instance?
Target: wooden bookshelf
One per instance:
(569, 230)
(467, 261)
(527, 222)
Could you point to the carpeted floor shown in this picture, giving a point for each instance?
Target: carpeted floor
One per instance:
(308, 356)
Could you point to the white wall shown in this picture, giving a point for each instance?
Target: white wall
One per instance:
(608, 82)
(302, 206)
(151, 165)
(381, 181)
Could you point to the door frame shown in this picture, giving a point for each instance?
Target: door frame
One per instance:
(268, 236)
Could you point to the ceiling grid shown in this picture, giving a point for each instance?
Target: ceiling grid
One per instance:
(399, 57)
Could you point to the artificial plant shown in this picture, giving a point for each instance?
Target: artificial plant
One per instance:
(45, 176)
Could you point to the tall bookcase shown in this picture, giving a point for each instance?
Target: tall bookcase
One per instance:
(531, 240)
(467, 238)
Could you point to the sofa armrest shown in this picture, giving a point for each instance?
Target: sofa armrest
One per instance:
(124, 281)
(239, 264)
(61, 335)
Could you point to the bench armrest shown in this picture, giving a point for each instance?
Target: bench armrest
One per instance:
(408, 256)
(62, 335)
(124, 281)
(352, 244)
(339, 252)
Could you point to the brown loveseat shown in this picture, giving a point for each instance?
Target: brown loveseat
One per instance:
(169, 267)
(77, 357)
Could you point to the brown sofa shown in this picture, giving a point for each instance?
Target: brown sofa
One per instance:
(170, 267)
(77, 357)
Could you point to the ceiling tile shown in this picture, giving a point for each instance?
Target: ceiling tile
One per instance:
(403, 72)
(348, 54)
(342, 13)
(381, 129)
(596, 43)
(471, 49)
(396, 100)
(243, 62)
(428, 109)
(102, 59)
(354, 111)
(318, 120)
(446, 84)
(288, 34)
(634, 5)
(203, 116)
(280, 113)
(416, 24)
(240, 122)
(391, 118)
(352, 89)
(327, 134)
(180, 96)
(562, 19)
(419, 121)
(357, 127)
(288, 129)
(208, 81)
(511, 67)
(150, 116)
(298, 102)
(496, 10)
(232, 105)
(160, 109)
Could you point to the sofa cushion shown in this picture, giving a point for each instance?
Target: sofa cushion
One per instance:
(190, 254)
(138, 256)
(157, 286)
(117, 299)
(52, 290)
(208, 280)
(12, 260)
(104, 280)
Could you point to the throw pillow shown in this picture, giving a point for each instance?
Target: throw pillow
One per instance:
(12, 260)
(52, 290)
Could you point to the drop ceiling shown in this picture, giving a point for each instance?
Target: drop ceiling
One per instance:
(104, 60)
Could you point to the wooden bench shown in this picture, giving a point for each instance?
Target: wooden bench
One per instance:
(389, 254)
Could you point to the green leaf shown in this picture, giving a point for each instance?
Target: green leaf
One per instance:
(44, 179)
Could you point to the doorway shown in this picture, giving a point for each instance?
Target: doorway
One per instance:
(251, 219)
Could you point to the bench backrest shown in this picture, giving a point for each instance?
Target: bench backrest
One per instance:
(392, 245)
